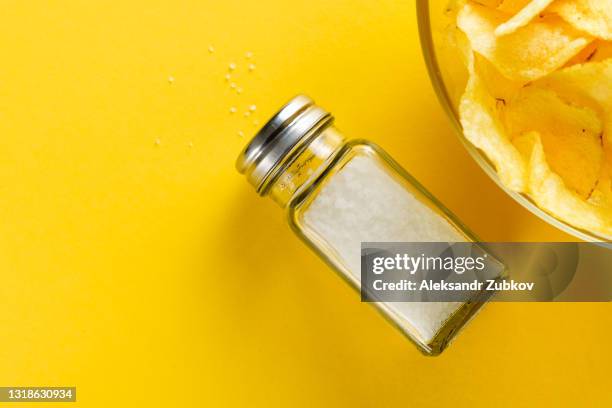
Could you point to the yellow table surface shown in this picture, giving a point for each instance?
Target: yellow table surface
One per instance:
(140, 267)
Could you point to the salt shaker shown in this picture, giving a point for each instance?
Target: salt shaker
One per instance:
(339, 193)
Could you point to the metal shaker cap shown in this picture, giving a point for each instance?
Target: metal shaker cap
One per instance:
(290, 129)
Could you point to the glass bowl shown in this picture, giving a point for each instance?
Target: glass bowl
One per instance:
(449, 77)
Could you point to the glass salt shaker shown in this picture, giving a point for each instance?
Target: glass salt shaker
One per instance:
(338, 194)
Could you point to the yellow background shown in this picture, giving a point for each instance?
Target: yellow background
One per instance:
(138, 266)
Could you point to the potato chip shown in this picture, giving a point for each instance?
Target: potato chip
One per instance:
(602, 51)
(588, 85)
(549, 192)
(498, 86)
(538, 103)
(482, 127)
(528, 53)
(602, 194)
(523, 17)
(571, 135)
(512, 6)
(598, 50)
(524, 144)
(490, 3)
(591, 16)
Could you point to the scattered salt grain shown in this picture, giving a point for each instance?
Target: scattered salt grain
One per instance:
(232, 66)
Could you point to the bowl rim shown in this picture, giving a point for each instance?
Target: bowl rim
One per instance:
(435, 75)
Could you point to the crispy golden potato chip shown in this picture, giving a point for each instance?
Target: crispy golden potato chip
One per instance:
(522, 17)
(498, 86)
(602, 51)
(482, 127)
(602, 194)
(589, 85)
(538, 103)
(549, 192)
(490, 3)
(591, 16)
(512, 6)
(524, 144)
(598, 50)
(530, 52)
(571, 135)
